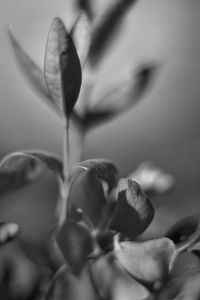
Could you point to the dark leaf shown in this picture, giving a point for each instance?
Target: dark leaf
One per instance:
(19, 169)
(185, 232)
(113, 282)
(91, 183)
(149, 262)
(152, 179)
(123, 96)
(8, 231)
(105, 26)
(134, 211)
(62, 67)
(76, 243)
(81, 37)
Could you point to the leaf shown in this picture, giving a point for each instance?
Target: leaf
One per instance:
(134, 211)
(105, 26)
(185, 232)
(112, 282)
(152, 179)
(120, 98)
(91, 183)
(87, 7)
(62, 67)
(19, 169)
(8, 231)
(66, 285)
(76, 243)
(80, 34)
(149, 262)
(184, 281)
(33, 74)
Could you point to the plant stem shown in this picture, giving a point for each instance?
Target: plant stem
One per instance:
(66, 170)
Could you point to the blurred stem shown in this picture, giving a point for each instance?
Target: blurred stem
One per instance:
(66, 170)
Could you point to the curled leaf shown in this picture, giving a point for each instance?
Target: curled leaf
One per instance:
(66, 285)
(105, 26)
(149, 262)
(152, 179)
(113, 282)
(81, 37)
(185, 232)
(121, 97)
(91, 183)
(19, 169)
(62, 67)
(75, 242)
(134, 211)
(8, 231)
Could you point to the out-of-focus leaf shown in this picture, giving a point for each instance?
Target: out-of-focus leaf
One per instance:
(76, 243)
(121, 97)
(87, 6)
(19, 169)
(8, 231)
(185, 232)
(32, 72)
(62, 67)
(91, 182)
(66, 285)
(81, 37)
(113, 282)
(134, 211)
(105, 26)
(149, 261)
(184, 281)
(152, 179)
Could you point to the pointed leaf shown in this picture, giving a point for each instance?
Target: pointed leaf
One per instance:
(66, 285)
(123, 96)
(185, 232)
(149, 261)
(134, 211)
(91, 183)
(81, 37)
(113, 283)
(19, 169)
(31, 71)
(105, 26)
(8, 231)
(62, 67)
(152, 179)
(75, 242)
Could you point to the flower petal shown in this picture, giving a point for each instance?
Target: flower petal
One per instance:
(81, 37)
(149, 261)
(67, 286)
(113, 283)
(134, 211)
(91, 182)
(185, 232)
(152, 179)
(76, 243)
(62, 67)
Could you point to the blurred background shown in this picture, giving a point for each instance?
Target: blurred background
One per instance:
(164, 127)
